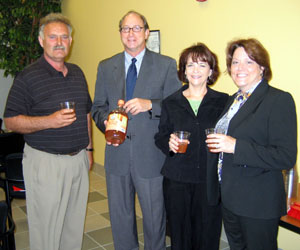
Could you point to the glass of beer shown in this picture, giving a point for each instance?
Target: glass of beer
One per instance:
(67, 105)
(209, 131)
(183, 137)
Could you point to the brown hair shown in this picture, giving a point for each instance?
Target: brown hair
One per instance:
(202, 53)
(256, 52)
(146, 26)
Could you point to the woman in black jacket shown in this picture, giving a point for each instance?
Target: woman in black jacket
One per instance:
(193, 223)
(261, 140)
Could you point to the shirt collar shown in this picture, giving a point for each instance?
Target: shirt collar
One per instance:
(52, 71)
(249, 92)
(138, 58)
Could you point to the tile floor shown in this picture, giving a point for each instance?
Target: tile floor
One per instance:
(97, 231)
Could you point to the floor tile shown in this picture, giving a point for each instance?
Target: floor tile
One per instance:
(90, 212)
(106, 215)
(19, 202)
(103, 192)
(109, 247)
(97, 230)
(95, 222)
(223, 245)
(21, 225)
(98, 169)
(99, 185)
(94, 177)
(139, 223)
(22, 240)
(88, 243)
(95, 196)
(138, 210)
(168, 241)
(141, 239)
(24, 209)
(18, 213)
(102, 236)
(99, 206)
(2, 195)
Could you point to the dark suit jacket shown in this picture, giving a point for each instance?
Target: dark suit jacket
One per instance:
(157, 79)
(177, 114)
(265, 129)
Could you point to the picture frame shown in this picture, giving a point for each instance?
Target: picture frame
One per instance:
(153, 41)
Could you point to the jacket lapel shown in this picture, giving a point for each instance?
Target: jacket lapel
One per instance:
(119, 77)
(146, 70)
(250, 105)
(208, 100)
(182, 101)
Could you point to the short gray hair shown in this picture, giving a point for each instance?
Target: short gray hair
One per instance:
(146, 26)
(54, 18)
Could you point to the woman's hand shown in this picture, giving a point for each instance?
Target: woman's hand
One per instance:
(174, 143)
(220, 143)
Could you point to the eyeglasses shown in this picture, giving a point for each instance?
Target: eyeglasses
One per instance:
(127, 29)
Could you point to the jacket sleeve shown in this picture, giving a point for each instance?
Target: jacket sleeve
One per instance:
(100, 105)
(171, 84)
(280, 151)
(164, 130)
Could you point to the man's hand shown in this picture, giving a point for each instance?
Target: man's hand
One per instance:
(29, 124)
(109, 143)
(91, 159)
(62, 118)
(137, 105)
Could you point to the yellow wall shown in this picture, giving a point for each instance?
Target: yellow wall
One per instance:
(275, 23)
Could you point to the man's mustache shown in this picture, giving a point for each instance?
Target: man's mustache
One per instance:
(59, 47)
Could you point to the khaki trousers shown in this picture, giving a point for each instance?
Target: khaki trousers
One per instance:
(56, 196)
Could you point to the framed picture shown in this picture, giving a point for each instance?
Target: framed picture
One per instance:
(153, 42)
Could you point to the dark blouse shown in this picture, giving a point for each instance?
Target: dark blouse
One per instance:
(177, 114)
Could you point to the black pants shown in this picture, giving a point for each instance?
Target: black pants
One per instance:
(244, 233)
(193, 224)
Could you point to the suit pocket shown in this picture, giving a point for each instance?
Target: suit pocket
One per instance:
(252, 171)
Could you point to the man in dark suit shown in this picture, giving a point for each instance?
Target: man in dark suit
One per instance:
(134, 166)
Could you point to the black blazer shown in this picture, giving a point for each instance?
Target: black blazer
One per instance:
(265, 129)
(177, 114)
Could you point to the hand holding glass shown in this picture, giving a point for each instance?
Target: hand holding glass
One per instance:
(68, 105)
(183, 137)
(210, 131)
